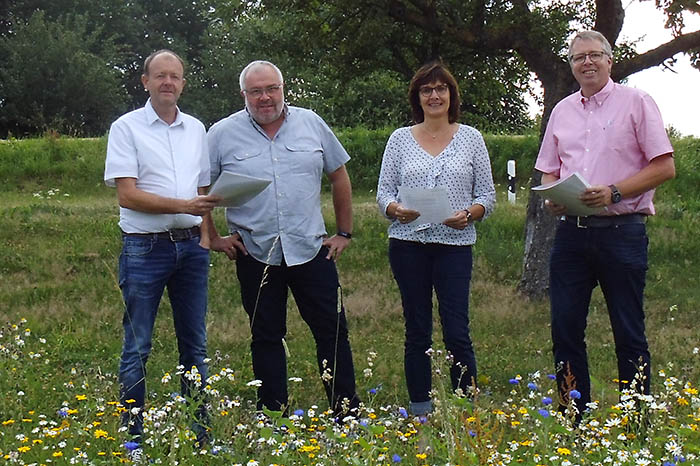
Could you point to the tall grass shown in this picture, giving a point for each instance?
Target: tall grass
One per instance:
(58, 261)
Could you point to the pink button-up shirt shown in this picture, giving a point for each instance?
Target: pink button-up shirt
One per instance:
(605, 138)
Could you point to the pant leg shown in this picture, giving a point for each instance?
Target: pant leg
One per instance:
(572, 279)
(622, 275)
(315, 287)
(412, 268)
(145, 265)
(452, 269)
(187, 289)
(264, 296)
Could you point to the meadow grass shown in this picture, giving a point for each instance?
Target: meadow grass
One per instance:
(59, 349)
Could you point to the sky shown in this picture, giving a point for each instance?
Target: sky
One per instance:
(676, 94)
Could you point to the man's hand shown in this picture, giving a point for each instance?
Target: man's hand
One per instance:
(201, 205)
(554, 208)
(230, 245)
(336, 245)
(597, 196)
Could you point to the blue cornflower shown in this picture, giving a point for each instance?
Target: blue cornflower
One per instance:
(514, 381)
(363, 422)
(532, 386)
(680, 459)
(575, 394)
(299, 412)
(543, 412)
(472, 433)
(63, 412)
(422, 419)
(131, 446)
(551, 377)
(546, 401)
(403, 413)
(668, 463)
(395, 458)
(372, 391)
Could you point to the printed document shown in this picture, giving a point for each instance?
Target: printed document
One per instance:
(566, 191)
(237, 189)
(433, 204)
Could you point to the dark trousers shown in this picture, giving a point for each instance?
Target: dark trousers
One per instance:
(315, 288)
(616, 258)
(418, 269)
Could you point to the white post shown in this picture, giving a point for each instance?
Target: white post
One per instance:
(511, 181)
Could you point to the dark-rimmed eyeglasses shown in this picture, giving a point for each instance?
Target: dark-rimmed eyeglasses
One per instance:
(581, 57)
(427, 91)
(257, 92)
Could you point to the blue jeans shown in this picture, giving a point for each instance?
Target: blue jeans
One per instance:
(616, 258)
(315, 287)
(147, 265)
(418, 269)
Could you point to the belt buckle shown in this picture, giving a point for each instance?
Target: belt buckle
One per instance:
(579, 224)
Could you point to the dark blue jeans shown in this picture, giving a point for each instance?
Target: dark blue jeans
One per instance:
(147, 265)
(315, 287)
(418, 269)
(616, 258)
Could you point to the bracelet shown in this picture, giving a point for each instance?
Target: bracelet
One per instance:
(344, 234)
(469, 216)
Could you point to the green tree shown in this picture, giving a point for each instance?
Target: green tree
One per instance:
(56, 75)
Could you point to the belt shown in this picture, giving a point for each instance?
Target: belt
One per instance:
(604, 221)
(177, 234)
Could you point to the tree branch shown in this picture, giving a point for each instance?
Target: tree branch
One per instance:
(656, 56)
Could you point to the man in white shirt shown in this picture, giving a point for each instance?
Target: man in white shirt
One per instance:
(157, 158)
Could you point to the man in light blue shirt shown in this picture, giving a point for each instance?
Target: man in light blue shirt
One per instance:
(281, 233)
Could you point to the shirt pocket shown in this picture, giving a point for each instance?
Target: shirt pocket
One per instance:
(240, 156)
(305, 167)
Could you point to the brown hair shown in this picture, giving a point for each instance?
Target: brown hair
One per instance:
(429, 73)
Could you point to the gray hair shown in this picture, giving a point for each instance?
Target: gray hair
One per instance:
(591, 35)
(251, 65)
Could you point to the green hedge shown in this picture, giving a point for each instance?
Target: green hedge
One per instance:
(76, 165)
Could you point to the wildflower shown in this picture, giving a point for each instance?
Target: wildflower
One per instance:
(546, 401)
(563, 451)
(396, 458)
(514, 381)
(532, 386)
(99, 433)
(543, 412)
(254, 383)
(299, 412)
(551, 376)
(131, 446)
(403, 413)
(575, 394)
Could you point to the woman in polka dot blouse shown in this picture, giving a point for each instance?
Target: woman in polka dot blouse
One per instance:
(436, 152)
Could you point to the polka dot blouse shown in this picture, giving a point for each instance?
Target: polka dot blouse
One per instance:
(463, 168)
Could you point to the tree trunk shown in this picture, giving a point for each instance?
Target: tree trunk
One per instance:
(540, 225)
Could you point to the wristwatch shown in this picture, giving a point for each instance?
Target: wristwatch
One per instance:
(616, 196)
(344, 234)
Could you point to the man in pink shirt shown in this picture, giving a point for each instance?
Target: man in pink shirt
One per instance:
(614, 137)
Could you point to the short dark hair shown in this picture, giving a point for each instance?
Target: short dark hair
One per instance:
(429, 73)
(150, 58)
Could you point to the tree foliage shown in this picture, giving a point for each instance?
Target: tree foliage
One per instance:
(57, 75)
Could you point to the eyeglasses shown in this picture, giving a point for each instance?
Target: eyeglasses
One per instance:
(256, 93)
(427, 91)
(581, 57)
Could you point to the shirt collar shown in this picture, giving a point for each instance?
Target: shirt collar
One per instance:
(599, 97)
(152, 116)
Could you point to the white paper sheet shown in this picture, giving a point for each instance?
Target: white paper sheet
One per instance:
(237, 189)
(433, 204)
(566, 192)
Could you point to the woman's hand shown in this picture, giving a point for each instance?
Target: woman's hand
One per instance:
(460, 220)
(404, 215)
